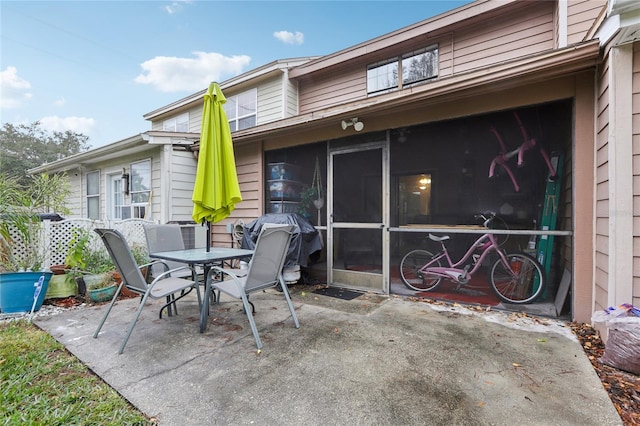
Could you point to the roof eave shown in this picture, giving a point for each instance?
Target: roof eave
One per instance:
(436, 23)
(533, 68)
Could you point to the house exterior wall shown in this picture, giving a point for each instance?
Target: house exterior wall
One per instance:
(581, 15)
(249, 164)
(75, 200)
(617, 249)
(270, 101)
(291, 94)
(528, 30)
(180, 174)
(636, 173)
(601, 272)
(277, 98)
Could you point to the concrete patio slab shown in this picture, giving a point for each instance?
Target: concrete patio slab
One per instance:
(371, 360)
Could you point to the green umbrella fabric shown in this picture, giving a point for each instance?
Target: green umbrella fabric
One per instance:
(216, 191)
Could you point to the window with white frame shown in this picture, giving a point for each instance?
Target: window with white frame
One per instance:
(115, 197)
(242, 109)
(177, 124)
(414, 67)
(419, 65)
(382, 76)
(93, 195)
(140, 188)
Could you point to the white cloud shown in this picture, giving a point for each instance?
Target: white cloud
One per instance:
(60, 102)
(289, 37)
(171, 74)
(54, 123)
(14, 89)
(175, 6)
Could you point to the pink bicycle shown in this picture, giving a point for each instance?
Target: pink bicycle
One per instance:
(514, 277)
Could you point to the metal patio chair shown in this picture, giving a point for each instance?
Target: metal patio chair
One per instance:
(264, 271)
(165, 285)
(166, 237)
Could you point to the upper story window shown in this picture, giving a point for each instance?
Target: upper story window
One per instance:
(419, 65)
(382, 76)
(93, 195)
(414, 67)
(242, 109)
(177, 124)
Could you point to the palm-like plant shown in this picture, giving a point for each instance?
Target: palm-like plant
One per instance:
(20, 228)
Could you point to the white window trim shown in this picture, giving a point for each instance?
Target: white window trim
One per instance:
(398, 59)
(111, 177)
(237, 117)
(146, 205)
(93, 195)
(173, 124)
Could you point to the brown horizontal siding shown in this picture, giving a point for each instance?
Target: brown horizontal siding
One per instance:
(332, 90)
(635, 110)
(581, 15)
(602, 189)
(248, 166)
(445, 56)
(529, 31)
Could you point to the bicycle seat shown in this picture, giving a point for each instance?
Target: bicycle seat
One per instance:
(436, 238)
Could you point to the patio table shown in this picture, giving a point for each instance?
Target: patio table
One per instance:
(200, 256)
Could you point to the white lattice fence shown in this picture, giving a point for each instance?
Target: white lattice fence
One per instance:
(56, 236)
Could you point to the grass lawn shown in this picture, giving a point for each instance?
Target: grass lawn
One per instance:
(42, 383)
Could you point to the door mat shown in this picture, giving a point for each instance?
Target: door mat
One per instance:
(339, 293)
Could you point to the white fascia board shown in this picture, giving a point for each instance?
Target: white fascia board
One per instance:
(158, 137)
(622, 24)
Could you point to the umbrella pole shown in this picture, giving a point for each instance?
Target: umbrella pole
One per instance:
(208, 236)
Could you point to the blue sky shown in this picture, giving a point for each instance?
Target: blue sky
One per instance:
(96, 67)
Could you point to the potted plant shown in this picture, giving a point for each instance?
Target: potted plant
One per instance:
(21, 238)
(93, 268)
(103, 288)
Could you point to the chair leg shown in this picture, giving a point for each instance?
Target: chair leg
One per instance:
(252, 322)
(133, 323)
(106, 314)
(285, 290)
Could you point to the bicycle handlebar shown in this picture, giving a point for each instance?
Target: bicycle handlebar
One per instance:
(486, 217)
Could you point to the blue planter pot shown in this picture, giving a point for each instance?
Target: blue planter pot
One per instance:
(17, 290)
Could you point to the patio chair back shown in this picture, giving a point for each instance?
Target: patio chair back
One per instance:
(123, 259)
(265, 270)
(164, 237)
(268, 258)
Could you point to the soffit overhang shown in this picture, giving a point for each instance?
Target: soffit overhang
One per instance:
(523, 71)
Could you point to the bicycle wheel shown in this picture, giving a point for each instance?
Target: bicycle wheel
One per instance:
(520, 282)
(410, 271)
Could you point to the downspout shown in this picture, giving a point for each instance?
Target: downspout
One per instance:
(285, 85)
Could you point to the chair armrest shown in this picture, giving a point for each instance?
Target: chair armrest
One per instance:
(237, 273)
(165, 273)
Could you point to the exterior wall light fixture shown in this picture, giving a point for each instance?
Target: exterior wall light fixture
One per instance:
(357, 125)
(125, 182)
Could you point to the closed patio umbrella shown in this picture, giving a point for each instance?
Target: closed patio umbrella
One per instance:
(216, 191)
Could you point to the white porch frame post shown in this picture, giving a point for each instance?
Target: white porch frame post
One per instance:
(620, 285)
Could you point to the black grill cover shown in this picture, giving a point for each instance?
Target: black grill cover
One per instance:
(306, 239)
